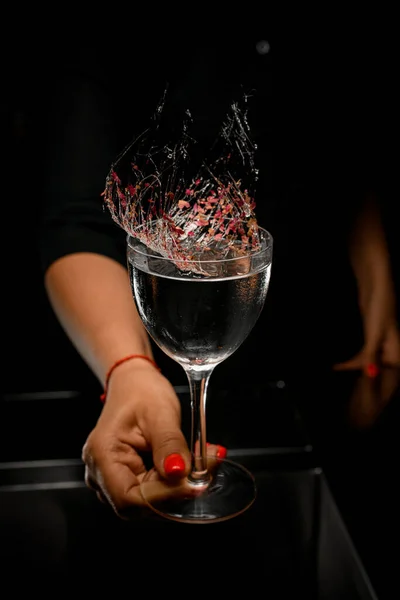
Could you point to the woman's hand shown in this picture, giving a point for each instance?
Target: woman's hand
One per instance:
(142, 414)
(372, 267)
(370, 358)
(377, 305)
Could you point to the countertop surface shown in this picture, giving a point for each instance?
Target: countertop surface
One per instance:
(353, 422)
(345, 425)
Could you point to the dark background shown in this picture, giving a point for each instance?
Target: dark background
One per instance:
(326, 117)
(325, 121)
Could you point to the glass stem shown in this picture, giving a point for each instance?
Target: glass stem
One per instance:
(198, 384)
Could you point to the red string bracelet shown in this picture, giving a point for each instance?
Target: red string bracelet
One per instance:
(119, 362)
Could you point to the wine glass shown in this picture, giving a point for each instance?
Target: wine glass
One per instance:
(199, 311)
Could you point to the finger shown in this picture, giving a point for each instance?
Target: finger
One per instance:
(214, 451)
(157, 489)
(119, 480)
(94, 487)
(101, 497)
(368, 366)
(359, 361)
(90, 482)
(371, 370)
(217, 451)
(390, 362)
(171, 454)
(213, 456)
(353, 364)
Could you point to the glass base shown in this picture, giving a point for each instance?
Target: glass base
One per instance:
(230, 491)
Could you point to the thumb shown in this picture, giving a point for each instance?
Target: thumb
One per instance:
(171, 455)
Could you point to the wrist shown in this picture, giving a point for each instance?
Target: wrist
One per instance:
(138, 361)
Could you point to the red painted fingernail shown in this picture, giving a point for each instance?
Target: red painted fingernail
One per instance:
(221, 452)
(372, 370)
(174, 464)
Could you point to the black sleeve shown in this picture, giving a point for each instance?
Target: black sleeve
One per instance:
(80, 141)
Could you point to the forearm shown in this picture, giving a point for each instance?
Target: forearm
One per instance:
(92, 299)
(371, 263)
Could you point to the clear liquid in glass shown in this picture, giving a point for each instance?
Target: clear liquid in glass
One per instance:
(198, 320)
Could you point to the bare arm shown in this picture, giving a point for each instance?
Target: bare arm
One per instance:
(370, 259)
(92, 299)
(371, 263)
